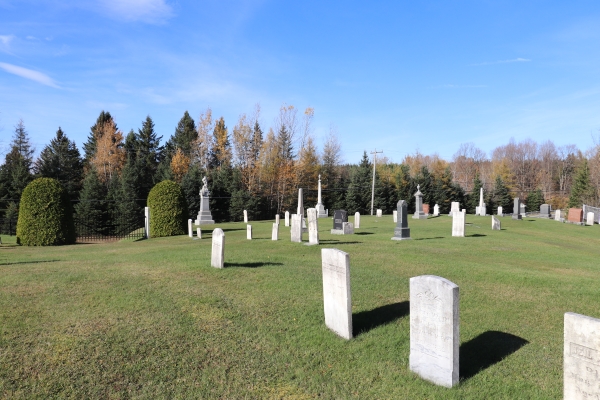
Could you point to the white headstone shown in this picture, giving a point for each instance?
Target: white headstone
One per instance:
(581, 358)
(348, 228)
(199, 232)
(557, 215)
(436, 210)
(379, 213)
(434, 329)
(287, 218)
(245, 216)
(296, 230)
(147, 221)
(357, 220)
(395, 216)
(458, 224)
(589, 220)
(300, 203)
(190, 229)
(277, 218)
(249, 232)
(313, 226)
(495, 224)
(454, 208)
(500, 214)
(218, 248)
(337, 301)
(275, 232)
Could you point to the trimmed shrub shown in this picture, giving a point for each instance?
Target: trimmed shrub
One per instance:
(45, 215)
(168, 210)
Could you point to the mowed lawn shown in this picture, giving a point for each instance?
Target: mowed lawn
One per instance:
(153, 319)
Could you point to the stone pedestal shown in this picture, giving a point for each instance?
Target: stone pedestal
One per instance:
(419, 214)
(204, 216)
(402, 231)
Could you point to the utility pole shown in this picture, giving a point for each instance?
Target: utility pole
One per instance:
(373, 187)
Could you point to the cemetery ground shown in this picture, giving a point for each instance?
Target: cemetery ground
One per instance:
(153, 319)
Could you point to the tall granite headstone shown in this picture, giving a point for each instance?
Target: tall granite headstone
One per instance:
(402, 231)
(458, 224)
(313, 226)
(337, 299)
(581, 357)
(517, 209)
(204, 216)
(545, 210)
(357, 220)
(296, 230)
(217, 258)
(419, 214)
(434, 329)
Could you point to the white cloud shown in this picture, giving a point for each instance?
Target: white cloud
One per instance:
(5, 42)
(514, 60)
(151, 11)
(29, 74)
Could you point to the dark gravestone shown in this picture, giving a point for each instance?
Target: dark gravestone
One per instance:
(402, 231)
(517, 209)
(339, 217)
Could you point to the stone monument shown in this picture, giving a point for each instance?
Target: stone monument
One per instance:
(379, 213)
(581, 357)
(517, 209)
(523, 207)
(337, 300)
(545, 210)
(199, 232)
(204, 215)
(402, 231)
(313, 226)
(426, 209)
(458, 224)
(339, 217)
(357, 220)
(481, 209)
(218, 248)
(419, 214)
(495, 224)
(557, 216)
(454, 208)
(276, 218)
(321, 211)
(190, 229)
(589, 218)
(434, 329)
(575, 215)
(348, 228)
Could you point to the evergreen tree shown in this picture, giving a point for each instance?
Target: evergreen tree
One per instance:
(385, 195)
(148, 153)
(473, 199)
(15, 173)
(221, 189)
(405, 185)
(89, 147)
(358, 197)
(426, 184)
(501, 197)
(534, 200)
(220, 154)
(284, 142)
(61, 160)
(191, 183)
(582, 190)
(91, 209)
(256, 143)
(446, 191)
(129, 203)
(184, 137)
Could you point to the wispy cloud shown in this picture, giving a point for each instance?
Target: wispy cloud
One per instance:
(5, 42)
(514, 60)
(150, 11)
(26, 73)
(451, 86)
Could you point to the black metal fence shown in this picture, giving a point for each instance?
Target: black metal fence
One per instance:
(108, 221)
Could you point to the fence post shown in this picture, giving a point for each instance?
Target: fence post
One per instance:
(147, 221)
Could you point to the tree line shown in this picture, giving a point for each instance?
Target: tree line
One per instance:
(249, 169)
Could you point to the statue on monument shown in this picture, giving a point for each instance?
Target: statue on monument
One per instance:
(204, 189)
(204, 215)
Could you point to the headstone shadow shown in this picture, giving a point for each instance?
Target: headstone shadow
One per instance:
(364, 321)
(437, 237)
(250, 264)
(476, 235)
(28, 262)
(364, 233)
(233, 229)
(486, 350)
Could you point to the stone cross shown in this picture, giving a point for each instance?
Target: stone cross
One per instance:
(218, 249)
(495, 224)
(357, 220)
(245, 216)
(249, 232)
(337, 299)
(296, 230)
(402, 231)
(581, 357)
(458, 224)
(434, 329)
(275, 232)
(313, 226)
(287, 218)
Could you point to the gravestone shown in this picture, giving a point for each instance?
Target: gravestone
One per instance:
(517, 209)
(454, 208)
(277, 218)
(434, 329)
(339, 217)
(300, 210)
(199, 233)
(313, 226)
(523, 207)
(545, 210)
(147, 221)
(275, 232)
(357, 220)
(245, 216)
(482, 209)
(426, 209)
(337, 301)
(190, 228)
(348, 228)
(557, 216)
(458, 224)
(581, 357)
(249, 232)
(204, 216)
(589, 220)
(296, 230)
(419, 214)
(379, 213)
(495, 224)
(287, 218)
(436, 210)
(217, 257)
(575, 215)
(321, 212)
(500, 214)
(395, 216)
(402, 231)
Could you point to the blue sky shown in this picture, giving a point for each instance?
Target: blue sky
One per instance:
(398, 76)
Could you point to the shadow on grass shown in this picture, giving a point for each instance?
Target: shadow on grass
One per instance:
(364, 321)
(486, 350)
(364, 233)
(437, 237)
(29, 262)
(476, 235)
(250, 264)
(231, 229)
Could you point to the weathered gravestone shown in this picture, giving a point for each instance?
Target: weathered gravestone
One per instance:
(395, 216)
(575, 215)
(581, 357)
(545, 211)
(426, 209)
(458, 224)
(434, 329)
(500, 213)
(313, 226)
(402, 231)
(589, 219)
(357, 220)
(557, 215)
(495, 224)
(296, 230)
(337, 301)
(419, 214)
(245, 216)
(454, 208)
(379, 213)
(348, 228)
(517, 209)
(287, 218)
(436, 210)
(523, 207)
(249, 232)
(275, 232)
(217, 258)
(276, 218)
(339, 217)
(190, 228)
(199, 232)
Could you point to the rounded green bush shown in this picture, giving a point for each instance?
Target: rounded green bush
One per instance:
(168, 209)
(45, 215)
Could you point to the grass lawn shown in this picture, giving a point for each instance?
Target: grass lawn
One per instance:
(152, 319)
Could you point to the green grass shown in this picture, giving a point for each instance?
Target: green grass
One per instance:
(152, 319)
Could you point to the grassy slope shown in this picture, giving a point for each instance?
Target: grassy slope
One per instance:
(152, 319)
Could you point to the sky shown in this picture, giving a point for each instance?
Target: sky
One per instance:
(399, 76)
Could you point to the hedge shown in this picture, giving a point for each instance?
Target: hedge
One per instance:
(168, 209)
(45, 215)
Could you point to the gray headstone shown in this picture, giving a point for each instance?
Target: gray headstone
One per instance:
(402, 231)
(249, 232)
(337, 300)
(458, 224)
(434, 329)
(495, 224)
(348, 228)
(545, 210)
(199, 232)
(419, 214)
(313, 226)
(517, 209)
(287, 218)
(581, 357)
(589, 218)
(339, 217)
(296, 230)
(357, 220)
(275, 232)
(395, 216)
(245, 216)
(190, 228)
(500, 214)
(217, 258)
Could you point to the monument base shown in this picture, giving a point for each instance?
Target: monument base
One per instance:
(321, 211)
(401, 234)
(337, 231)
(517, 216)
(419, 215)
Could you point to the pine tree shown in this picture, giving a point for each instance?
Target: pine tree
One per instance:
(61, 160)
(184, 137)
(129, 202)
(581, 190)
(534, 200)
(501, 197)
(15, 173)
(89, 147)
(91, 209)
(148, 153)
(473, 199)
(358, 197)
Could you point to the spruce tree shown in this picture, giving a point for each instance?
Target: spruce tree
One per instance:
(581, 190)
(358, 197)
(89, 147)
(405, 185)
(148, 153)
(184, 137)
(473, 199)
(446, 191)
(534, 200)
(501, 197)
(191, 183)
(15, 173)
(90, 211)
(426, 183)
